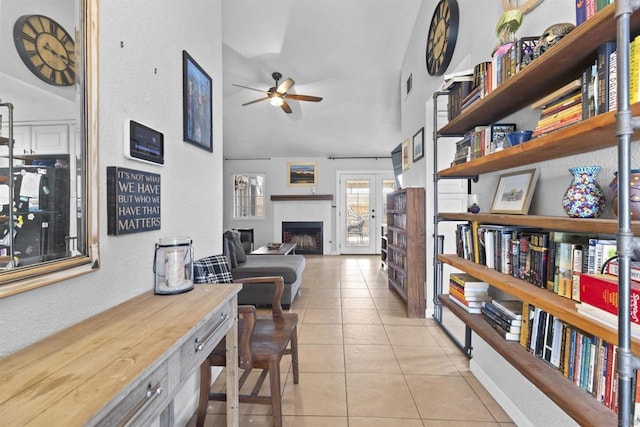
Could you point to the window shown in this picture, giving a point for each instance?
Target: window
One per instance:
(52, 230)
(248, 195)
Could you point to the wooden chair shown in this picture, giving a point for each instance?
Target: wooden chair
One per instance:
(262, 342)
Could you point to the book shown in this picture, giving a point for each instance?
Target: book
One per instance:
(468, 281)
(557, 94)
(581, 11)
(601, 291)
(511, 308)
(495, 320)
(605, 317)
(502, 317)
(613, 267)
(604, 53)
(465, 307)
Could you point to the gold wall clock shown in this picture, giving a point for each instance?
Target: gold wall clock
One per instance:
(524, 6)
(441, 40)
(46, 49)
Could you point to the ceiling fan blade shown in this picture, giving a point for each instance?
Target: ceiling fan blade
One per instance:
(303, 97)
(257, 100)
(286, 85)
(247, 87)
(285, 107)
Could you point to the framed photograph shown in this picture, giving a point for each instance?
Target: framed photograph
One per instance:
(499, 133)
(406, 155)
(302, 173)
(514, 192)
(197, 104)
(418, 145)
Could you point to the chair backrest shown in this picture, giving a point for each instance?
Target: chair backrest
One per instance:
(212, 269)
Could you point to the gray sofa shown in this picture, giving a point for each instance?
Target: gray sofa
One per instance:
(290, 267)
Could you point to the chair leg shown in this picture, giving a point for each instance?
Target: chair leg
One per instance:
(276, 396)
(294, 354)
(205, 387)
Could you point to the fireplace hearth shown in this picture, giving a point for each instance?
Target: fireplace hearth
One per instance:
(306, 234)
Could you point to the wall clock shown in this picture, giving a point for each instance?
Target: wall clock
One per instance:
(441, 40)
(524, 6)
(46, 49)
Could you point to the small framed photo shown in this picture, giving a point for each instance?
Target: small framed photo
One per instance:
(499, 133)
(406, 155)
(418, 145)
(197, 104)
(514, 192)
(302, 173)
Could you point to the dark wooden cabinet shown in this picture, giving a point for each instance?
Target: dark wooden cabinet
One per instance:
(406, 247)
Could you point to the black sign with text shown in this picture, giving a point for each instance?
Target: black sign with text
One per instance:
(133, 201)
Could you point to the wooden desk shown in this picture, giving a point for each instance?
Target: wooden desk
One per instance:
(284, 249)
(125, 365)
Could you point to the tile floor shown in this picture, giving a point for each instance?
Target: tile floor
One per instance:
(364, 363)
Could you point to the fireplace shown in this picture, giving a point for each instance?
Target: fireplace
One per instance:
(307, 235)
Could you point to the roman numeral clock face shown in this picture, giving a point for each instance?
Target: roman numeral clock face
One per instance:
(441, 40)
(46, 49)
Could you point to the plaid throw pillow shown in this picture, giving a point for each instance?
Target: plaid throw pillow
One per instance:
(212, 269)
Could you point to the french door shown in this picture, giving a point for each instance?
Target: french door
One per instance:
(362, 211)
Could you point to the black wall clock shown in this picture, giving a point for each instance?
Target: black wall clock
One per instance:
(46, 49)
(441, 40)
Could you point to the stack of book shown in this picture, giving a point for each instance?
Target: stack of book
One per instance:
(468, 292)
(563, 110)
(505, 317)
(458, 86)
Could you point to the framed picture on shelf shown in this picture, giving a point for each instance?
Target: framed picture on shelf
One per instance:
(197, 104)
(406, 155)
(302, 173)
(418, 145)
(499, 133)
(514, 192)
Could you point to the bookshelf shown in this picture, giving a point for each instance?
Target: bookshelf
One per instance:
(405, 255)
(550, 71)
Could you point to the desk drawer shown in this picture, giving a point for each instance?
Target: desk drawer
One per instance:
(202, 342)
(144, 402)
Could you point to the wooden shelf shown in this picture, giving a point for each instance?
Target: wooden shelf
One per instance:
(4, 140)
(581, 225)
(589, 135)
(300, 197)
(563, 308)
(578, 404)
(520, 91)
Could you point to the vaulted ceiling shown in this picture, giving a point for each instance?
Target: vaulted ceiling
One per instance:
(349, 52)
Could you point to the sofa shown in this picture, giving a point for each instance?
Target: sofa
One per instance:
(244, 265)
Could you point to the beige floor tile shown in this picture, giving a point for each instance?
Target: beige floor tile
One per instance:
(383, 422)
(361, 316)
(365, 334)
(355, 293)
(321, 358)
(410, 335)
(220, 420)
(379, 396)
(371, 358)
(324, 302)
(322, 316)
(325, 293)
(454, 400)
(358, 303)
(447, 423)
(320, 334)
(493, 406)
(322, 394)
(353, 285)
(399, 317)
(314, 421)
(424, 360)
(389, 303)
(326, 282)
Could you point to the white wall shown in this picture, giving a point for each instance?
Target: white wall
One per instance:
(275, 170)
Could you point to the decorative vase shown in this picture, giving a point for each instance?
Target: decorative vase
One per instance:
(584, 197)
(634, 193)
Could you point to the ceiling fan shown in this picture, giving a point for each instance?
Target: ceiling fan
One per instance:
(277, 94)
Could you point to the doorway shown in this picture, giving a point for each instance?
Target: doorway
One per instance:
(362, 211)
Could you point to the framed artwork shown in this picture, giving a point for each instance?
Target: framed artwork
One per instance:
(302, 173)
(406, 155)
(514, 192)
(499, 133)
(418, 145)
(197, 104)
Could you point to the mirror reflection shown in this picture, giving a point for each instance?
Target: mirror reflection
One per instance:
(42, 173)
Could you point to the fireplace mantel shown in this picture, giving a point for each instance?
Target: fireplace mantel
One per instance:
(300, 197)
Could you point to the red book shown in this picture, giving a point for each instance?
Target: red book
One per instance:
(601, 291)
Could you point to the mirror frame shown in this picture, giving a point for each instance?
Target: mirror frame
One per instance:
(31, 277)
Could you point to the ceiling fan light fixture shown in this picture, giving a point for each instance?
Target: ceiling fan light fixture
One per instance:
(276, 101)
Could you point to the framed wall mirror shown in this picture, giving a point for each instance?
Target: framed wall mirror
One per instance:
(248, 196)
(48, 97)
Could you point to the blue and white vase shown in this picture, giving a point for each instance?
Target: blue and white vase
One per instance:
(584, 198)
